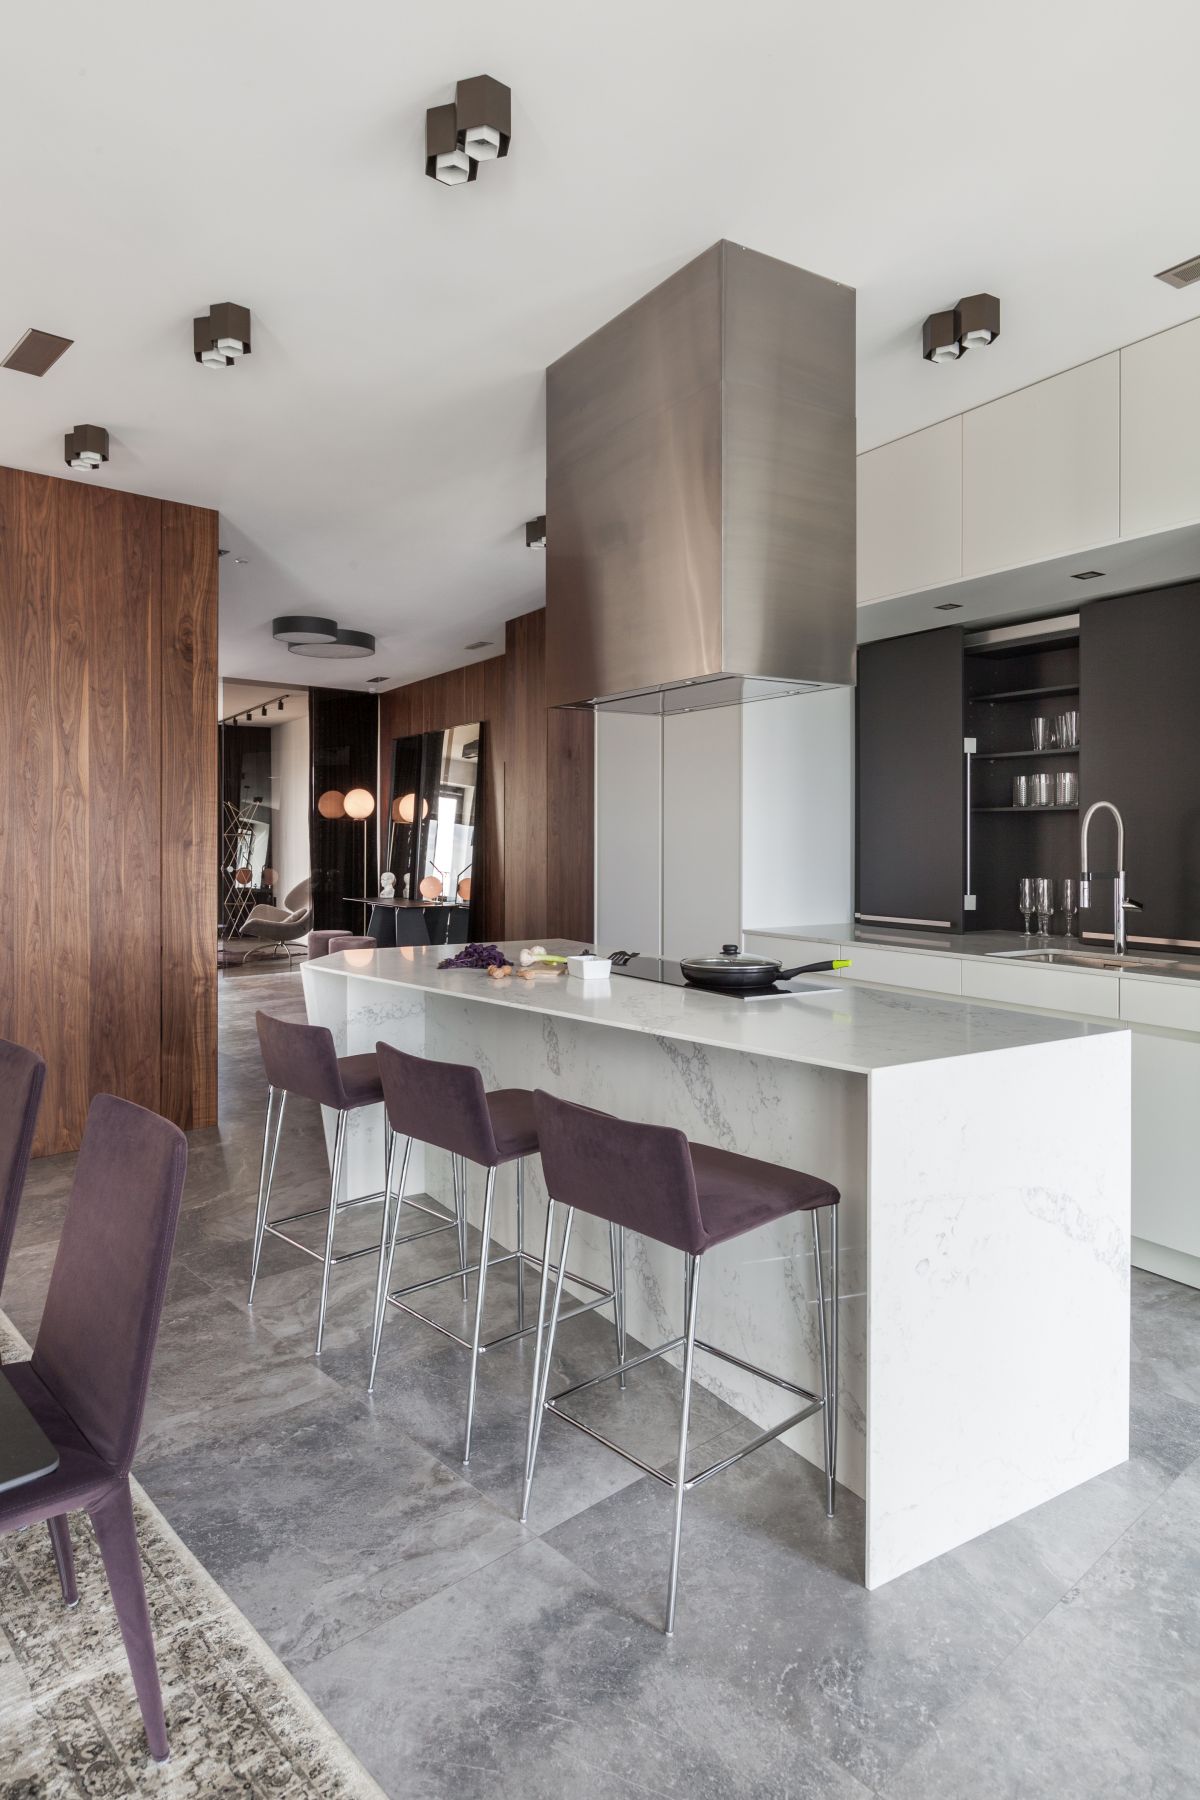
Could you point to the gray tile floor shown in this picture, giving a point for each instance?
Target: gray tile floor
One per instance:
(461, 1654)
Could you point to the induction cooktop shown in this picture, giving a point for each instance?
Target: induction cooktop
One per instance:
(669, 974)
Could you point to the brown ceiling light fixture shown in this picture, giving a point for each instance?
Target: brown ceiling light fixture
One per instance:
(86, 448)
(971, 325)
(939, 338)
(475, 128)
(222, 335)
(535, 533)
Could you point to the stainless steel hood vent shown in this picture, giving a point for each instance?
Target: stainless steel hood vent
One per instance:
(700, 493)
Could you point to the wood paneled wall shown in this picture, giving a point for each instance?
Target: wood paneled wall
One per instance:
(108, 705)
(538, 778)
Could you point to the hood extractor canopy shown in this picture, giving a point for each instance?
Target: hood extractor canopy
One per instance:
(700, 493)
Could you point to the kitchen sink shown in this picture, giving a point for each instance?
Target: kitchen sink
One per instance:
(1097, 959)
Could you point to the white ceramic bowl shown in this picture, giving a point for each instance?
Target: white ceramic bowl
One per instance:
(589, 968)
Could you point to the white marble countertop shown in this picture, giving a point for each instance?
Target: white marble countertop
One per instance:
(855, 1029)
(991, 943)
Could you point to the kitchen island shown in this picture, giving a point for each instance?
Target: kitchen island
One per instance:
(983, 1156)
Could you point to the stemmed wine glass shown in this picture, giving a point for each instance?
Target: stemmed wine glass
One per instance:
(1026, 901)
(1043, 892)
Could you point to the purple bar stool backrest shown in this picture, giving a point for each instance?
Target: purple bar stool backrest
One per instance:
(22, 1074)
(639, 1176)
(301, 1059)
(96, 1340)
(440, 1103)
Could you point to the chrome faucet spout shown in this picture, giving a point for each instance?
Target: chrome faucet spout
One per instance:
(1087, 874)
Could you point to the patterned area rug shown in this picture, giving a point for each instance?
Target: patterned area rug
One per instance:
(69, 1722)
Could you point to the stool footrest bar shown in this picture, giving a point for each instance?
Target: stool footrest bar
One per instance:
(765, 1437)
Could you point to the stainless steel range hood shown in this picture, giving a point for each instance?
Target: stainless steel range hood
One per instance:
(700, 492)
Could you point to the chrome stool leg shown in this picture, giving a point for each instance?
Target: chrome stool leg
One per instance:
(387, 1247)
(266, 1177)
(692, 1281)
(823, 1337)
(535, 1385)
(520, 1243)
(616, 1253)
(542, 1381)
(480, 1293)
(339, 1144)
(459, 1172)
(832, 1391)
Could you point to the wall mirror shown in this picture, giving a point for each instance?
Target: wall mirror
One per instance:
(433, 842)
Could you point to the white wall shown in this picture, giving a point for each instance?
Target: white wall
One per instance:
(798, 810)
(702, 779)
(290, 783)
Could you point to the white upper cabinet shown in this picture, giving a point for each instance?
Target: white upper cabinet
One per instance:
(1041, 470)
(910, 513)
(1160, 431)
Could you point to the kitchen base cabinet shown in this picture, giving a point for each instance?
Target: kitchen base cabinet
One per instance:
(1166, 1155)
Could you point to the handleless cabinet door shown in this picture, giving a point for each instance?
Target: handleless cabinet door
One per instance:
(1139, 679)
(910, 513)
(1160, 431)
(910, 778)
(1041, 470)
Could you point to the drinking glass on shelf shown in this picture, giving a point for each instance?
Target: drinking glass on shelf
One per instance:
(1026, 901)
(1041, 790)
(1068, 903)
(1068, 730)
(1043, 894)
(1066, 788)
(1040, 730)
(1020, 790)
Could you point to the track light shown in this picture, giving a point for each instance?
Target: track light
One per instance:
(279, 707)
(940, 338)
(978, 321)
(86, 448)
(222, 335)
(264, 712)
(476, 128)
(445, 159)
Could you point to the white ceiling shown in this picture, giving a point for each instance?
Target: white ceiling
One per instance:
(376, 456)
(237, 698)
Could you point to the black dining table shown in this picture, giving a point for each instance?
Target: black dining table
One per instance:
(26, 1453)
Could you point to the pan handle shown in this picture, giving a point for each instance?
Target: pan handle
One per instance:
(817, 968)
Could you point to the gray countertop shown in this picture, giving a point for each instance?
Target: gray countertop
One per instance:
(990, 943)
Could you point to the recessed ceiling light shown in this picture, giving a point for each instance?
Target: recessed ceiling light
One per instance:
(1182, 275)
(1088, 575)
(948, 606)
(86, 448)
(222, 335)
(241, 561)
(479, 644)
(36, 351)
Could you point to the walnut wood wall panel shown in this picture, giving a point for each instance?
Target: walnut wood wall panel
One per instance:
(189, 815)
(105, 688)
(538, 792)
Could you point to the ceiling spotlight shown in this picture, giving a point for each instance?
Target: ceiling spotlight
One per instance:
(445, 159)
(264, 712)
(279, 707)
(86, 448)
(222, 335)
(978, 321)
(296, 628)
(535, 533)
(948, 606)
(346, 644)
(1088, 575)
(940, 338)
(483, 109)
(476, 128)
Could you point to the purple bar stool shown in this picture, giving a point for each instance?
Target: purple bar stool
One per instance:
(86, 1381)
(446, 1105)
(22, 1075)
(650, 1179)
(301, 1059)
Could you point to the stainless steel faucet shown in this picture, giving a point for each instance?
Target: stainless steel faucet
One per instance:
(1087, 875)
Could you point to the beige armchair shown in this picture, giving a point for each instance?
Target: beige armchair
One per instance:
(280, 926)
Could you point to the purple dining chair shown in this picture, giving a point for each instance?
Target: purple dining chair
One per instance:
(86, 1381)
(22, 1074)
